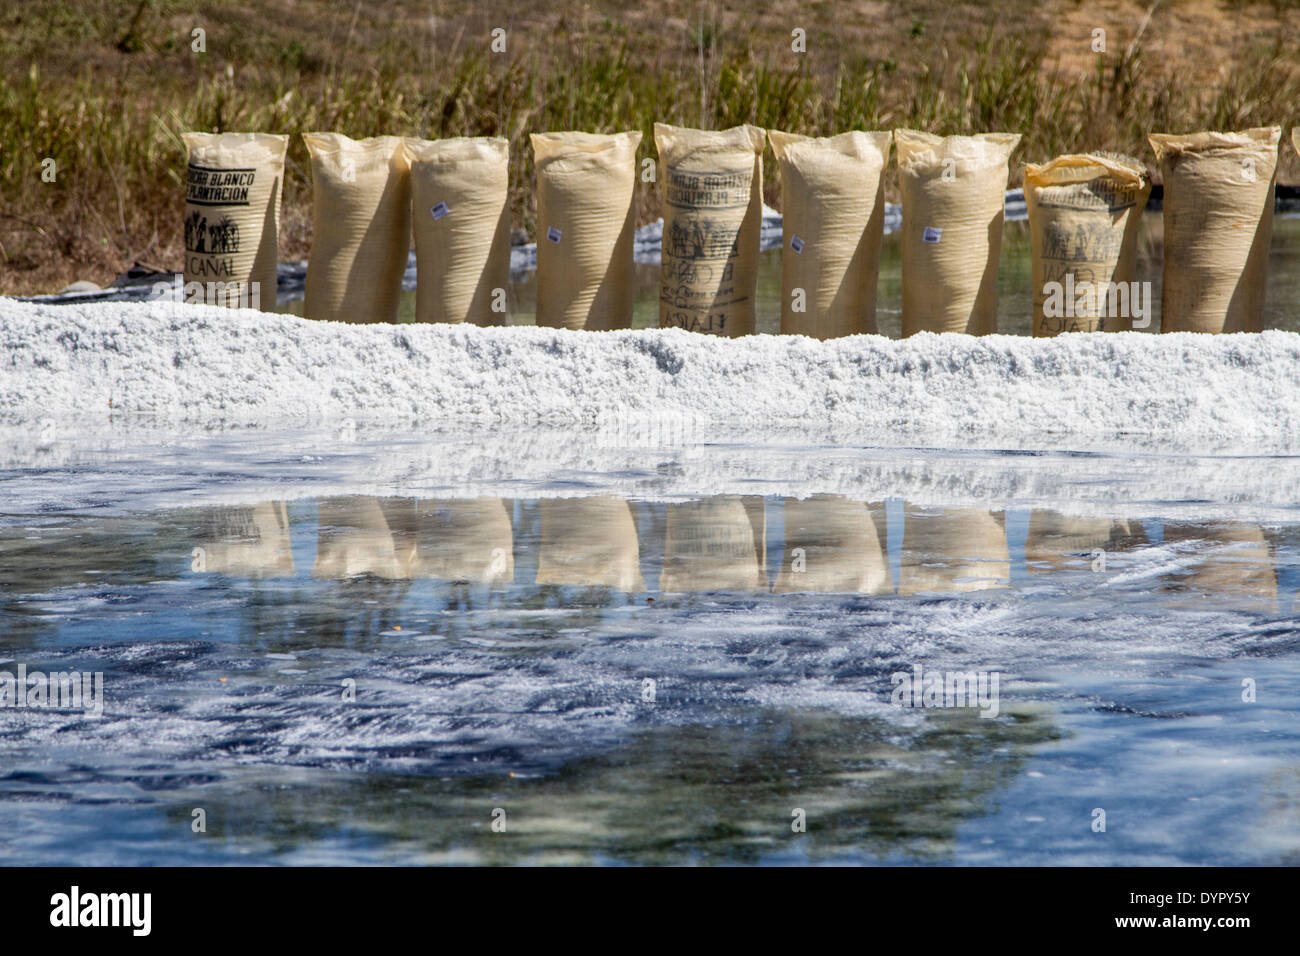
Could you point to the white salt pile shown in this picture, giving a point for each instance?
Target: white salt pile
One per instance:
(171, 364)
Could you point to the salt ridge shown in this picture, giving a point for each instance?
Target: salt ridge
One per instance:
(163, 363)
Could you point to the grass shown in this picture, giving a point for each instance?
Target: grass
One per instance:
(105, 89)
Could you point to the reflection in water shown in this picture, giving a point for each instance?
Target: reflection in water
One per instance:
(953, 549)
(715, 544)
(1055, 541)
(253, 542)
(832, 545)
(711, 794)
(361, 535)
(466, 541)
(589, 542)
(1234, 564)
(43, 555)
(228, 691)
(1279, 827)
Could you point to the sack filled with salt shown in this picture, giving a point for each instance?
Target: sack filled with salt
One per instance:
(233, 186)
(361, 198)
(586, 218)
(460, 201)
(833, 218)
(953, 190)
(713, 213)
(1084, 213)
(1218, 211)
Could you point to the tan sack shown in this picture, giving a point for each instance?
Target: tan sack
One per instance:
(1084, 213)
(586, 218)
(953, 190)
(712, 186)
(833, 218)
(460, 201)
(1218, 210)
(233, 186)
(361, 227)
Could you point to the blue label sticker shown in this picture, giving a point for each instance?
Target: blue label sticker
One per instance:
(931, 234)
(439, 210)
(796, 244)
(553, 234)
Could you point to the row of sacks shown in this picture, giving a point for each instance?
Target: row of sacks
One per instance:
(831, 544)
(371, 195)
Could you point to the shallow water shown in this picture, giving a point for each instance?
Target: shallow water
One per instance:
(502, 631)
(1015, 301)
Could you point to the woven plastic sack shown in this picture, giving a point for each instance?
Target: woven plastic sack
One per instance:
(361, 239)
(233, 186)
(252, 542)
(361, 535)
(953, 190)
(1084, 214)
(715, 544)
(460, 201)
(954, 549)
(1218, 211)
(712, 185)
(589, 542)
(586, 218)
(833, 218)
(464, 541)
(832, 545)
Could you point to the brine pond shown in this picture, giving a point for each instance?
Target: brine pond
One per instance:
(385, 648)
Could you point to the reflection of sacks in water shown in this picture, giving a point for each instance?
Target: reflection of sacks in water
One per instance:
(234, 183)
(586, 224)
(833, 216)
(461, 220)
(712, 187)
(361, 228)
(1061, 542)
(953, 190)
(1218, 214)
(832, 546)
(589, 542)
(1236, 562)
(954, 549)
(464, 540)
(1084, 213)
(715, 544)
(360, 535)
(249, 541)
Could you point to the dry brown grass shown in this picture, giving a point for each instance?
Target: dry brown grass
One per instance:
(105, 87)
